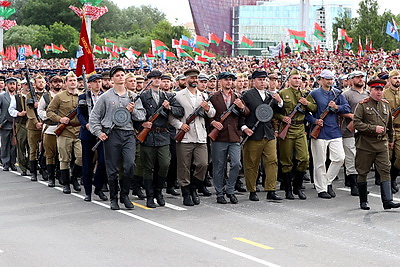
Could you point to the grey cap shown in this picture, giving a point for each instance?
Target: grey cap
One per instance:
(202, 77)
(212, 77)
(180, 77)
(327, 74)
(356, 73)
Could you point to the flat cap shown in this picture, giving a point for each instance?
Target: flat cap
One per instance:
(273, 76)
(226, 75)
(202, 77)
(56, 78)
(115, 69)
(11, 80)
(167, 76)
(95, 77)
(259, 74)
(105, 74)
(383, 75)
(356, 73)
(139, 78)
(154, 74)
(180, 77)
(326, 74)
(191, 72)
(212, 77)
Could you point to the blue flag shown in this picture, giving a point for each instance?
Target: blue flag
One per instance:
(391, 30)
(72, 64)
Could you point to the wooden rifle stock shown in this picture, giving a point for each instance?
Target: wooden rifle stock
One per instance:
(396, 112)
(61, 127)
(179, 136)
(215, 132)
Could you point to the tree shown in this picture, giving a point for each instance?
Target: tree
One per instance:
(34, 35)
(65, 35)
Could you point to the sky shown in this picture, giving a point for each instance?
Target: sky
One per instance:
(179, 9)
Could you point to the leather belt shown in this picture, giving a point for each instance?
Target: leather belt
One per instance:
(159, 129)
(396, 125)
(378, 137)
(296, 122)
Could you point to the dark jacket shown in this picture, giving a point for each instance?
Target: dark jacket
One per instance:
(159, 134)
(5, 117)
(83, 116)
(252, 99)
(231, 131)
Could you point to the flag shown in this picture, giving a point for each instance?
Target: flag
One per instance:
(56, 49)
(297, 35)
(106, 50)
(207, 55)
(86, 59)
(182, 53)
(63, 49)
(318, 49)
(246, 42)
(228, 39)
(149, 56)
(370, 46)
(158, 45)
(175, 43)
(97, 49)
(201, 60)
(169, 55)
(360, 48)
(184, 44)
(197, 51)
(72, 64)
(348, 39)
(137, 53)
(200, 40)
(341, 34)
(36, 54)
(395, 25)
(212, 38)
(390, 30)
(318, 31)
(305, 44)
(108, 42)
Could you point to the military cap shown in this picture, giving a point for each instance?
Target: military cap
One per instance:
(377, 83)
(394, 73)
(212, 77)
(56, 78)
(11, 80)
(115, 69)
(259, 74)
(154, 74)
(180, 77)
(273, 76)
(326, 74)
(80, 78)
(226, 75)
(106, 74)
(383, 75)
(94, 77)
(191, 72)
(295, 72)
(167, 76)
(202, 77)
(2, 78)
(356, 73)
(139, 78)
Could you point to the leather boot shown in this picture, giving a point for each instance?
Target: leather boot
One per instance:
(193, 192)
(387, 197)
(158, 192)
(353, 184)
(51, 168)
(65, 181)
(287, 181)
(148, 186)
(136, 187)
(126, 201)
(362, 189)
(76, 172)
(239, 185)
(113, 183)
(394, 172)
(33, 167)
(347, 180)
(203, 189)
(187, 200)
(377, 178)
(297, 185)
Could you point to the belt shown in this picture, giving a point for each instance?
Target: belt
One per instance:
(297, 122)
(378, 137)
(159, 129)
(396, 125)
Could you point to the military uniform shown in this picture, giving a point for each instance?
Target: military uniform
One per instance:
(295, 141)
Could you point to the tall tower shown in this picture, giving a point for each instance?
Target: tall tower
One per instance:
(304, 14)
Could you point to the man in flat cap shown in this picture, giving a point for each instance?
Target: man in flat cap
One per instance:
(261, 144)
(373, 120)
(193, 147)
(330, 136)
(106, 81)
(7, 126)
(353, 95)
(212, 83)
(139, 83)
(180, 82)
(203, 80)
(392, 94)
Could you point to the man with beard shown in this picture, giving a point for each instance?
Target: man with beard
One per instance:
(130, 82)
(49, 137)
(166, 82)
(180, 82)
(193, 147)
(8, 149)
(212, 83)
(392, 94)
(353, 95)
(139, 83)
(106, 81)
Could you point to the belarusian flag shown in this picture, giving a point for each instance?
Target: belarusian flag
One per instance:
(197, 51)
(169, 55)
(348, 39)
(318, 31)
(184, 44)
(341, 34)
(228, 39)
(106, 50)
(212, 38)
(175, 43)
(158, 45)
(108, 42)
(36, 54)
(47, 48)
(360, 48)
(297, 35)
(246, 42)
(200, 40)
(55, 49)
(305, 44)
(63, 49)
(149, 56)
(201, 60)
(207, 55)
(182, 53)
(97, 49)
(137, 53)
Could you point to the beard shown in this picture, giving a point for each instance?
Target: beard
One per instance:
(193, 85)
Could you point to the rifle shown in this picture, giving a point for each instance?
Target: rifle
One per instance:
(145, 131)
(282, 134)
(317, 129)
(396, 112)
(61, 127)
(109, 130)
(179, 136)
(31, 101)
(215, 132)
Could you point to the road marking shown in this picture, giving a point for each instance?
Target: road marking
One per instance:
(174, 207)
(370, 194)
(141, 206)
(252, 243)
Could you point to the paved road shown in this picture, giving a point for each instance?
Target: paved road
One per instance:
(40, 226)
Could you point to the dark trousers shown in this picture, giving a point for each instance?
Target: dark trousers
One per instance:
(151, 156)
(22, 148)
(171, 177)
(8, 151)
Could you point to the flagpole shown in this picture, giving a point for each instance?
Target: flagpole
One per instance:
(1, 35)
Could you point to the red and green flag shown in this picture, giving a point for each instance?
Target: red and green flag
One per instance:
(47, 48)
(175, 43)
(207, 55)
(182, 53)
(137, 53)
(319, 32)
(213, 39)
(227, 39)
(246, 42)
(56, 49)
(184, 44)
(108, 42)
(297, 35)
(197, 51)
(63, 49)
(36, 54)
(97, 49)
(158, 45)
(169, 55)
(341, 34)
(305, 44)
(200, 40)
(106, 50)
(201, 60)
(149, 56)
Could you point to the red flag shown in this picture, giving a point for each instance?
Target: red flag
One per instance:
(84, 54)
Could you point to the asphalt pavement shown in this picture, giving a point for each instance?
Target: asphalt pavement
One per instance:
(41, 226)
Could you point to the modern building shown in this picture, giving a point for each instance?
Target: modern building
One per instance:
(265, 22)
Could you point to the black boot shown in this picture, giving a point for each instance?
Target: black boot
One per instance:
(394, 172)
(297, 185)
(172, 191)
(113, 183)
(33, 167)
(136, 187)
(347, 180)
(330, 191)
(353, 184)
(51, 169)
(187, 200)
(377, 178)
(362, 189)
(158, 192)
(287, 181)
(387, 197)
(203, 189)
(148, 186)
(76, 172)
(193, 192)
(239, 185)
(126, 201)
(65, 181)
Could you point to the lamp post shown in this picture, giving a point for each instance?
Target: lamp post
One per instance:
(5, 24)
